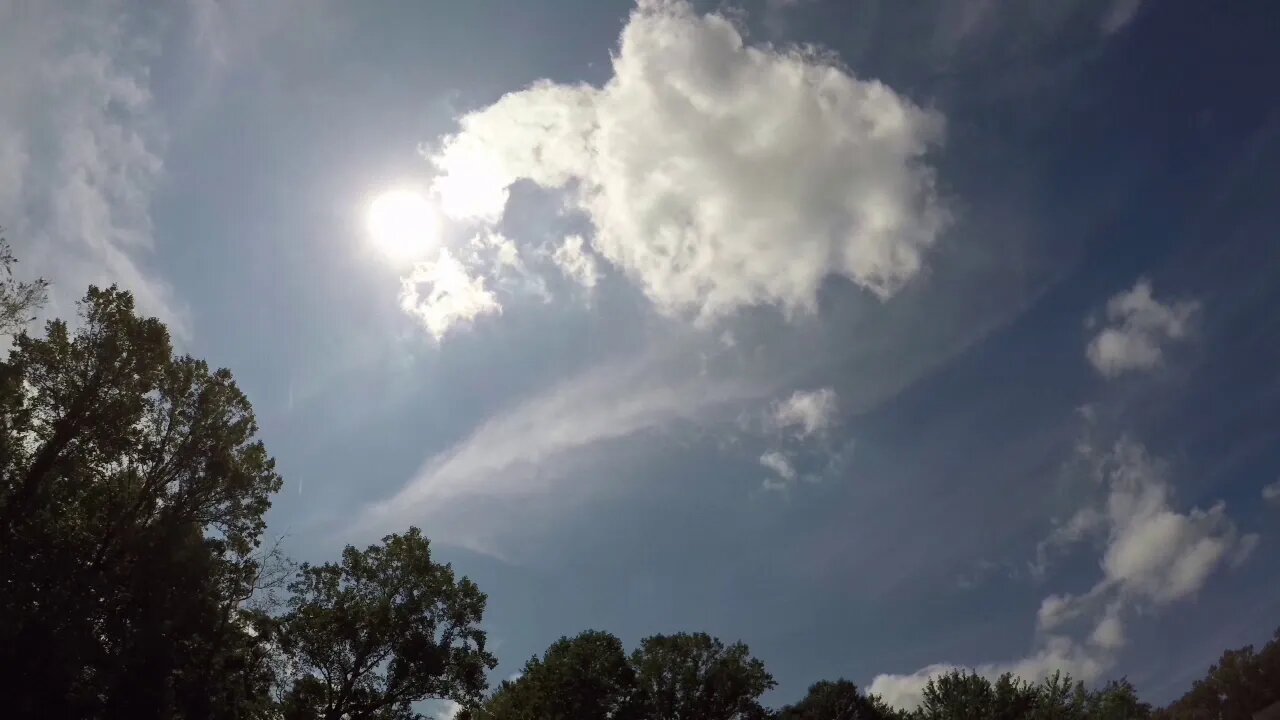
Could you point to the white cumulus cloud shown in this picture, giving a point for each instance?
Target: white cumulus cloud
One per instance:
(442, 295)
(716, 174)
(576, 263)
(1153, 556)
(807, 412)
(1058, 653)
(1137, 327)
(781, 467)
(1153, 551)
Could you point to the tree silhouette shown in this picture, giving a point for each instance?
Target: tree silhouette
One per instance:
(382, 629)
(130, 511)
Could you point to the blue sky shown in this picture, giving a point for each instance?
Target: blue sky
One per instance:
(882, 336)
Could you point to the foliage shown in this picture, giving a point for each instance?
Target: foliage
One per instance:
(384, 628)
(669, 677)
(687, 676)
(130, 509)
(1240, 684)
(18, 300)
(839, 700)
(131, 516)
(588, 677)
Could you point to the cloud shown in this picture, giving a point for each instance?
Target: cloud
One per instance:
(1153, 556)
(512, 454)
(807, 412)
(780, 464)
(715, 174)
(1138, 325)
(80, 152)
(1109, 633)
(576, 263)
(1084, 523)
(503, 254)
(1154, 552)
(1118, 15)
(452, 297)
(1056, 610)
(1271, 493)
(1058, 653)
(442, 709)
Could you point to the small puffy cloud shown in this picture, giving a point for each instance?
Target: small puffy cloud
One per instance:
(1153, 556)
(502, 252)
(1271, 493)
(781, 466)
(1154, 551)
(1167, 556)
(1109, 632)
(442, 295)
(1137, 327)
(576, 262)
(808, 413)
(1056, 610)
(716, 174)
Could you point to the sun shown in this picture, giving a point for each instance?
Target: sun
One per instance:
(403, 224)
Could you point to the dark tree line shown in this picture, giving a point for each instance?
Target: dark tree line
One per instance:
(135, 581)
(696, 677)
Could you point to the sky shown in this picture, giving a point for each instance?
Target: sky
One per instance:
(885, 337)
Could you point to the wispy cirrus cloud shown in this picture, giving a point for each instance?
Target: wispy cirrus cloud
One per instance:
(80, 151)
(513, 454)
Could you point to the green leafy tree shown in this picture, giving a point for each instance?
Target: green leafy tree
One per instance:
(697, 677)
(131, 506)
(382, 629)
(18, 300)
(839, 700)
(962, 695)
(1240, 684)
(587, 677)
(958, 695)
(1117, 700)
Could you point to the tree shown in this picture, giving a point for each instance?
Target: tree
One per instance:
(839, 700)
(587, 677)
(960, 695)
(1240, 684)
(382, 629)
(696, 677)
(1117, 700)
(132, 494)
(18, 300)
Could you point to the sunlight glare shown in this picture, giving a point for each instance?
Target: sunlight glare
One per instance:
(403, 224)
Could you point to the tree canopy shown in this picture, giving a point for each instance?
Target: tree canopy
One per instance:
(132, 507)
(380, 630)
